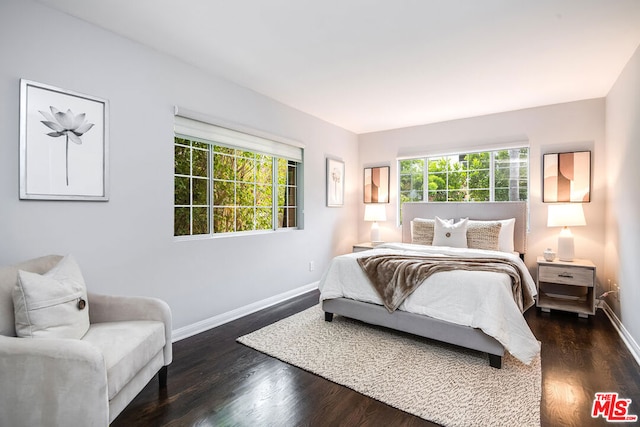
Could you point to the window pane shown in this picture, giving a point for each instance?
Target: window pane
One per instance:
(287, 217)
(502, 195)
(224, 167)
(457, 180)
(245, 194)
(182, 165)
(181, 221)
(264, 219)
(223, 220)
(291, 196)
(291, 173)
(479, 160)
(200, 191)
(223, 150)
(200, 163)
(456, 196)
(405, 182)
(201, 220)
(245, 170)
(437, 181)
(287, 193)
(263, 195)
(479, 178)
(413, 166)
(182, 190)
(479, 195)
(244, 219)
(264, 171)
(223, 193)
(437, 196)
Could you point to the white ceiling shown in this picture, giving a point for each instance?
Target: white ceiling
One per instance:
(369, 65)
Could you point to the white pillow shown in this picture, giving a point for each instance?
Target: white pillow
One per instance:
(422, 230)
(452, 235)
(52, 305)
(505, 239)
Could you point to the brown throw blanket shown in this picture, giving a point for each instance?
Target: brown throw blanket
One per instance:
(395, 277)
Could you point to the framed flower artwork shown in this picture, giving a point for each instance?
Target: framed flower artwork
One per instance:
(335, 182)
(64, 144)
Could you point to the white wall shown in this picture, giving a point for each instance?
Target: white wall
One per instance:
(555, 128)
(126, 245)
(623, 204)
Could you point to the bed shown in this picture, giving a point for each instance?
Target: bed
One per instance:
(475, 310)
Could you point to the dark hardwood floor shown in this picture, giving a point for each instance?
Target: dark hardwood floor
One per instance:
(214, 381)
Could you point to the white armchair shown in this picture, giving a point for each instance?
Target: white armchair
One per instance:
(87, 381)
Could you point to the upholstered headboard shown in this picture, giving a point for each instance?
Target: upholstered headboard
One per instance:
(471, 210)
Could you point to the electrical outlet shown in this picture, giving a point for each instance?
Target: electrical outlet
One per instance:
(312, 266)
(615, 285)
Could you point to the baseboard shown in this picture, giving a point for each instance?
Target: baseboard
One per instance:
(212, 322)
(631, 344)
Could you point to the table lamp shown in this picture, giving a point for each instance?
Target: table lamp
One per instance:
(375, 212)
(565, 215)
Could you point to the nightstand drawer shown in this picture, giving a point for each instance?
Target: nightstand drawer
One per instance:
(566, 276)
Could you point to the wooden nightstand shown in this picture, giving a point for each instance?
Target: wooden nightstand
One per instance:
(567, 286)
(359, 247)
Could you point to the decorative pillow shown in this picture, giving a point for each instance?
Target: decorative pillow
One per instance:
(52, 305)
(422, 230)
(483, 235)
(505, 241)
(447, 234)
(506, 235)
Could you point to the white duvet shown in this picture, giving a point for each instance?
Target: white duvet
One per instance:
(479, 299)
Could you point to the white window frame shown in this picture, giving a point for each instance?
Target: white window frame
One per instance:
(214, 132)
(427, 157)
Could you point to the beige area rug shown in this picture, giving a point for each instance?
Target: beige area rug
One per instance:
(440, 383)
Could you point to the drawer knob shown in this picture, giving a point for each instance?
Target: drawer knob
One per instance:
(566, 275)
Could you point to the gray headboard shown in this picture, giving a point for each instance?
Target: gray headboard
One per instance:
(471, 210)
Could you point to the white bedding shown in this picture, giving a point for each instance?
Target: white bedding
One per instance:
(478, 299)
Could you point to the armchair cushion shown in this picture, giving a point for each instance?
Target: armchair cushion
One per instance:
(53, 304)
(126, 347)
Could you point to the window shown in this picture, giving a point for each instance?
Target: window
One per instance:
(229, 182)
(501, 175)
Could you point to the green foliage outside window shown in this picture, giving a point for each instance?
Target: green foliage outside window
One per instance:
(501, 175)
(236, 194)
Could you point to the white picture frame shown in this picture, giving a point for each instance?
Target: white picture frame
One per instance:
(335, 182)
(64, 144)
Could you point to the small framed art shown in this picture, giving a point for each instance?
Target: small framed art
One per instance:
(376, 184)
(64, 144)
(335, 182)
(567, 177)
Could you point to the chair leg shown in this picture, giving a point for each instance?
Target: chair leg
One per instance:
(162, 376)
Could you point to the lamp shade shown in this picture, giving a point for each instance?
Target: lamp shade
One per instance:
(375, 212)
(565, 215)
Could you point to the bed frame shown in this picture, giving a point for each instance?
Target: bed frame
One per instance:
(425, 326)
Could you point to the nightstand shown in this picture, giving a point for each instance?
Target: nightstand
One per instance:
(567, 286)
(359, 247)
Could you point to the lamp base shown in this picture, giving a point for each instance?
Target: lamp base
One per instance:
(566, 248)
(375, 232)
